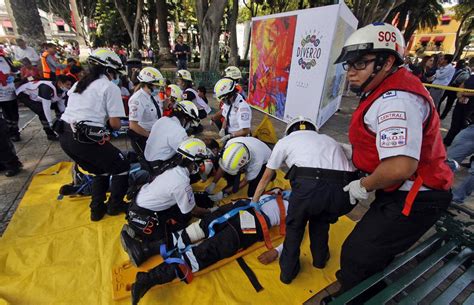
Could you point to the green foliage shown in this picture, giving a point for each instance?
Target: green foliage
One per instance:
(111, 29)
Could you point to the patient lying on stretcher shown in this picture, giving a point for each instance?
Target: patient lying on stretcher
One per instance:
(222, 234)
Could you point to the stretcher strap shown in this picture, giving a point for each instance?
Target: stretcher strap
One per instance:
(265, 231)
(281, 207)
(412, 195)
(250, 274)
(183, 267)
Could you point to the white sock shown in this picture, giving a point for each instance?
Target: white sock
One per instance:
(195, 232)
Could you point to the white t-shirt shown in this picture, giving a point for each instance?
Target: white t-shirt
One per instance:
(170, 188)
(164, 139)
(240, 116)
(306, 148)
(259, 155)
(272, 210)
(7, 93)
(28, 52)
(101, 100)
(142, 109)
(397, 119)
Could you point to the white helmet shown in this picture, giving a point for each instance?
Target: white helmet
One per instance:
(174, 91)
(184, 74)
(233, 72)
(205, 169)
(193, 149)
(300, 123)
(373, 38)
(189, 109)
(224, 87)
(151, 75)
(106, 58)
(235, 156)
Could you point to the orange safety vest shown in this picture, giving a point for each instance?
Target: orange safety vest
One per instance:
(46, 68)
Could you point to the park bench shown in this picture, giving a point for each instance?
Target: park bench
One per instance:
(437, 271)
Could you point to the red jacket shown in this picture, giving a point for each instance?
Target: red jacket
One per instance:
(431, 166)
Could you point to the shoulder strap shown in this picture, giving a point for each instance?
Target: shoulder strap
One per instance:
(158, 112)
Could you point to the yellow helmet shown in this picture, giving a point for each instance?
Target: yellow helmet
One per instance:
(235, 156)
(224, 87)
(175, 91)
(151, 75)
(193, 149)
(184, 74)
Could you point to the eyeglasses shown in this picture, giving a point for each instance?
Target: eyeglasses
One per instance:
(358, 65)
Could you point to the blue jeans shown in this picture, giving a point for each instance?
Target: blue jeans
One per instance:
(182, 64)
(461, 148)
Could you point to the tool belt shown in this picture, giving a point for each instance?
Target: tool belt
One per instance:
(88, 134)
(143, 221)
(329, 175)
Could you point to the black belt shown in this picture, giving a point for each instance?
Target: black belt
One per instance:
(314, 173)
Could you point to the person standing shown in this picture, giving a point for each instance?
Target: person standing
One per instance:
(50, 64)
(318, 171)
(8, 159)
(24, 51)
(396, 141)
(463, 110)
(443, 77)
(95, 106)
(181, 51)
(462, 73)
(8, 101)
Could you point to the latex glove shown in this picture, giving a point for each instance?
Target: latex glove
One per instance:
(356, 191)
(217, 196)
(347, 148)
(225, 138)
(210, 188)
(222, 133)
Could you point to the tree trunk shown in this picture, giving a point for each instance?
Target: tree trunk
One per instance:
(209, 19)
(152, 22)
(28, 21)
(402, 18)
(79, 30)
(411, 28)
(166, 58)
(234, 51)
(132, 32)
(458, 41)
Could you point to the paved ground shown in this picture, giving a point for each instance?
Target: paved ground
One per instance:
(37, 154)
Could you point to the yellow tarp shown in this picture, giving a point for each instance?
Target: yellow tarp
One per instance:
(52, 253)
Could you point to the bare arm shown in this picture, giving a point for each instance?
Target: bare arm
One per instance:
(241, 133)
(115, 123)
(391, 171)
(138, 129)
(199, 212)
(262, 185)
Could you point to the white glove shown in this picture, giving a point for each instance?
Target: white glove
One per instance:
(213, 209)
(210, 188)
(347, 148)
(356, 191)
(221, 132)
(217, 196)
(225, 138)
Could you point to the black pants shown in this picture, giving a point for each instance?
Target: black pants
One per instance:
(384, 232)
(11, 116)
(102, 161)
(227, 241)
(165, 222)
(37, 107)
(138, 142)
(8, 157)
(461, 114)
(234, 180)
(451, 98)
(318, 203)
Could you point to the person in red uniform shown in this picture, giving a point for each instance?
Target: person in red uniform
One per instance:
(395, 138)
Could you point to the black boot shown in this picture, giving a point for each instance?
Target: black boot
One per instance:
(13, 167)
(138, 251)
(50, 134)
(162, 274)
(100, 185)
(118, 189)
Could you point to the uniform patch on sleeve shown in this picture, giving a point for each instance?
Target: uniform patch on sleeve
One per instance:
(389, 94)
(189, 192)
(245, 116)
(393, 137)
(393, 115)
